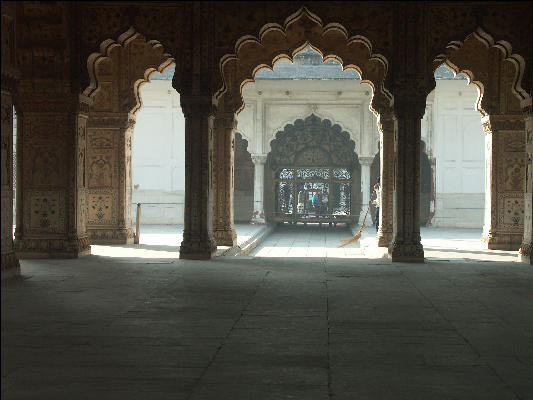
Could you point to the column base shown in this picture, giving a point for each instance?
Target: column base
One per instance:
(258, 218)
(198, 249)
(225, 237)
(503, 241)
(10, 265)
(384, 239)
(111, 236)
(411, 252)
(524, 254)
(52, 248)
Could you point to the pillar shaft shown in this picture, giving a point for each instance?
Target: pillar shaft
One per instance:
(527, 240)
(109, 178)
(406, 245)
(223, 160)
(506, 160)
(366, 163)
(258, 216)
(9, 262)
(198, 241)
(386, 128)
(52, 185)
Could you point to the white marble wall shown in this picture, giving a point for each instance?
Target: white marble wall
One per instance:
(158, 155)
(457, 142)
(451, 129)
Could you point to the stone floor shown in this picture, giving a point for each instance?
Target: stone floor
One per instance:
(309, 327)
(444, 245)
(163, 241)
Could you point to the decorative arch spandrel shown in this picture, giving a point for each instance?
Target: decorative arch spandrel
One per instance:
(372, 20)
(119, 70)
(485, 62)
(169, 22)
(277, 41)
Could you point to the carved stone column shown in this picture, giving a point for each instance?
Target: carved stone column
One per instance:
(527, 241)
(406, 245)
(366, 163)
(258, 217)
(198, 241)
(386, 133)
(223, 156)
(506, 160)
(52, 205)
(109, 178)
(9, 262)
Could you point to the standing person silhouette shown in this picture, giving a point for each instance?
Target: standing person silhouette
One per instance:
(377, 202)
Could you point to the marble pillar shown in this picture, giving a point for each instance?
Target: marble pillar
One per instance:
(406, 245)
(52, 188)
(109, 178)
(386, 133)
(223, 182)
(198, 240)
(527, 240)
(9, 262)
(258, 217)
(506, 162)
(366, 163)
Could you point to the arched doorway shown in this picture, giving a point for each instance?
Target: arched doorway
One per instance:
(315, 175)
(119, 73)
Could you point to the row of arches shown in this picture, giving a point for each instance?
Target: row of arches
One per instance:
(106, 115)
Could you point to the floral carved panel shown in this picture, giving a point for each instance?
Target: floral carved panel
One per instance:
(101, 207)
(46, 211)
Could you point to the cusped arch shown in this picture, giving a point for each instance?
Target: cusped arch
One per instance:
(471, 57)
(126, 73)
(321, 116)
(274, 42)
(312, 142)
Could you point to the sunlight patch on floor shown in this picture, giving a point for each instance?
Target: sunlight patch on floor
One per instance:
(133, 252)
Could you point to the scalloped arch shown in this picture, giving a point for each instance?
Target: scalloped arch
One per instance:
(309, 132)
(321, 115)
(474, 71)
(95, 60)
(301, 28)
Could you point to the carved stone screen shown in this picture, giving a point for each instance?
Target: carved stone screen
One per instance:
(315, 168)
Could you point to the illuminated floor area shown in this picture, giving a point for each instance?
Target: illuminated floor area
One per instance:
(312, 240)
(240, 328)
(440, 244)
(309, 240)
(163, 241)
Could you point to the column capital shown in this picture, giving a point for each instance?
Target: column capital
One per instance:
(54, 102)
(386, 123)
(259, 159)
(226, 121)
(502, 122)
(410, 95)
(196, 105)
(366, 161)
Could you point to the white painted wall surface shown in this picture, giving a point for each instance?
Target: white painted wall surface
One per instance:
(459, 150)
(451, 129)
(158, 157)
